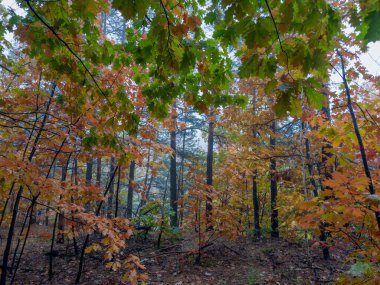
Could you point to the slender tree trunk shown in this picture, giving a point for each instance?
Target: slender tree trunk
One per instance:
(358, 135)
(76, 175)
(98, 171)
(303, 164)
(173, 169)
(147, 185)
(27, 215)
(87, 238)
(47, 208)
(326, 154)
(255, 194)
(273, 186)
(34, 201)
(117, 192)
(104, 23)
(181, 190)
(310, 167)
(162, 213)
(131, 176)
(112, 189)
(89, 164)
(10, 194)
(256, 207)
(52, 248)
(10, 237)
(3, 278)
(326, 172)
(6, 203)
(209, 170)
(61, 220)
(147, 166)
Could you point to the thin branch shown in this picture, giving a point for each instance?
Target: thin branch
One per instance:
(168, 24)
(373, 121)
(69, 49)
(279, 39)
(6, 68)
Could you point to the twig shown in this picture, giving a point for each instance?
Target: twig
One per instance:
(279, 39)
(68, 47)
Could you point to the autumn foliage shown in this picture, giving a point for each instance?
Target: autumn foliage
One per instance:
(188, 120)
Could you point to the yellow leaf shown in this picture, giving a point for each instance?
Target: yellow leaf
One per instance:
(125, 277)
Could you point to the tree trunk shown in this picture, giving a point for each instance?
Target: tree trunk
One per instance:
(117, 192)
(255, 194)
(132, 168)
(112, 188)
(87, 238)
(173, 169)
(358, 136)
(326, 172)
(147, 166)
(310, 168)
(181, 190)
(61, 220)
(3, 278)
(256, 207)
(33, 204)
(273, 186)
(98, 171)
(209, 170)
(89, 164)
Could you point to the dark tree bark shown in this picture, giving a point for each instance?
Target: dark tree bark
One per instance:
(52, 248)
(3, 278)
(181, 190)
(117, 192)
(76, 175)
(89, 165)
(209, 170)
(131, 176)
(34, 201)
(162, 213)
(358, 135)
(173, 170)
(273, 186)
(255, 194)
(112, 188)
(27, 215)
(147, 185)
(98, 171)
(256, 207)
(310, 167)
(47, 208)
(61, 220)
(147, 166)
(326, 171)
(6, 203)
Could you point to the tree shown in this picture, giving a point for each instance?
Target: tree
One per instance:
(210, 159)
(173, 168)
(273, 185)
(94, 79)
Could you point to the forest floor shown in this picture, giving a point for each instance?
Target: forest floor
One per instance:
(248, 262)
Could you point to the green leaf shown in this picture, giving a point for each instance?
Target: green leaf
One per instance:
(372, 31)
(283, 104)
(314, 98)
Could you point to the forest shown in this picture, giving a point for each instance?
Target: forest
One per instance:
(189, 142)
